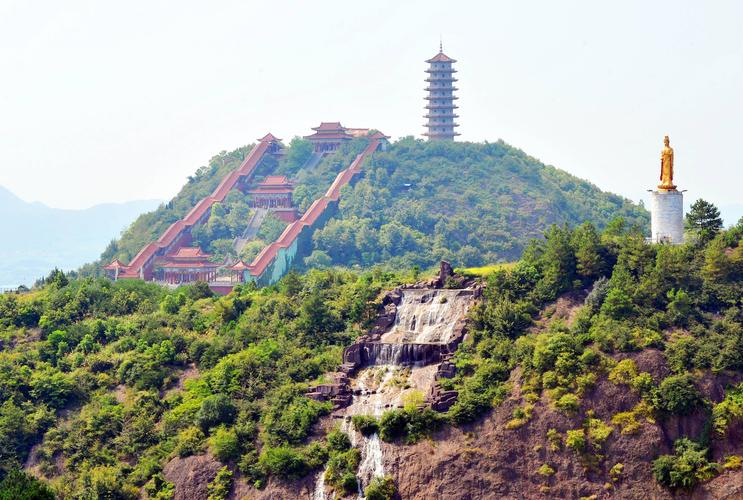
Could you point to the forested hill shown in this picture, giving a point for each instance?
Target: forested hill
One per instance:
(418, 202)
(469, 203)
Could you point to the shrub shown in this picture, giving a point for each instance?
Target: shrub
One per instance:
(157, 488)
(569, 403)
(728, 410)
(215, 410)
(381, 488)
(365, 424)
(190, 442)
(224, 444)
(598, 431)
(546, 470)
(687, 467)
(521, 416)
(337, 441)
(411, 424)
(576, 440)
(18, 485)
(284, 462)
(733, 462)
(616, 471)
(554, 439)
(341, 470)
(677, 395)
(623, 372)
(219, 488)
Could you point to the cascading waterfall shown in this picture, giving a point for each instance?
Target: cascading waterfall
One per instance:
(425, 325)
(429, 316)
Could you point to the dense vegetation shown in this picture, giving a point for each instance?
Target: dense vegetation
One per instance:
(113, 379)
(468, 203)
(109, 381)
(685, 300)
(417, 203)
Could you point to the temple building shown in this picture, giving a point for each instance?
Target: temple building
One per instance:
(274, 193)
(328, 137)
(187, 265)
(440, 108)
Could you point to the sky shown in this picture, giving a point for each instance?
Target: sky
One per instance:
(104, 101)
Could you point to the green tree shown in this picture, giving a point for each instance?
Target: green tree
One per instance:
(704, 220)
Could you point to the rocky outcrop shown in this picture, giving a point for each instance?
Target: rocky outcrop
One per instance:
(337, 391)
(191, 476)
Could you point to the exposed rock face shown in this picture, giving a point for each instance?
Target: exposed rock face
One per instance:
(338, 391)
(191, 476)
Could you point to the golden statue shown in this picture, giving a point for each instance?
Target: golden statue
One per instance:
(666, 167)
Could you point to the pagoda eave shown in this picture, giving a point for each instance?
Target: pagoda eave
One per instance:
(441, 98)
(448, 70)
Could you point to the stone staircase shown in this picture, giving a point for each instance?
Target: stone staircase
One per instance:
(254, 224)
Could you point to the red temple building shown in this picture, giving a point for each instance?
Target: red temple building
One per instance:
(275, 194)
(187, 265)
(440, 107)
(328, 137)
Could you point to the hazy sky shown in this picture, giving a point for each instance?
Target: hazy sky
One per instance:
(112, 101)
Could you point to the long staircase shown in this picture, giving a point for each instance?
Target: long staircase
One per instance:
(254, 224)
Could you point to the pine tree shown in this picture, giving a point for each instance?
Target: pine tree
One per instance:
(704, 219)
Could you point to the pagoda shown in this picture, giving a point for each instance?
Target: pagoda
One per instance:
(440, 108)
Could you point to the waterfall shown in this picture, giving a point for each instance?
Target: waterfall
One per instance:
(319, 493)
(429, 316)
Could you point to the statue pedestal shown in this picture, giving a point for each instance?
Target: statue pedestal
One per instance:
(667, 217)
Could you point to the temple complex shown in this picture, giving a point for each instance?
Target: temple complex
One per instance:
(187, 265)
(440, 108)
(666, 203)
(274, 193)
(328, 137)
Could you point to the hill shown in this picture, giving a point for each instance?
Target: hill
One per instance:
(597, 365)
(418, 202)
(38, 238)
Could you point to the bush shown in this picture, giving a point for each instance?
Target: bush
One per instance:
(410, 424)
(576, 440)
(677, 395)
(284, 462)
(381, 488)
(687, 467)
(338, 441)
(215, 410)
(546, 470)
(224, 444)
(341, 471)
(219, 488)
(365, 424)
(190, 442)
(569, 403)
(18, 485)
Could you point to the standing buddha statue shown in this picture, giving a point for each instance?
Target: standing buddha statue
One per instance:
(666, 167)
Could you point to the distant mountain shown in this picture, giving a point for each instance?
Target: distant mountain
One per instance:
(37, 238)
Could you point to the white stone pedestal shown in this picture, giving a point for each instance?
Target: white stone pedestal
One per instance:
(667, 217)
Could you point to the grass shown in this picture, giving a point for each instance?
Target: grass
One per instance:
(484, 270)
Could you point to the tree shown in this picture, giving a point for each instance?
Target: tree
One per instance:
(21, 486)
(704, 219)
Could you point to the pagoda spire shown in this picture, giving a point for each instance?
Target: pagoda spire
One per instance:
(440, 108)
